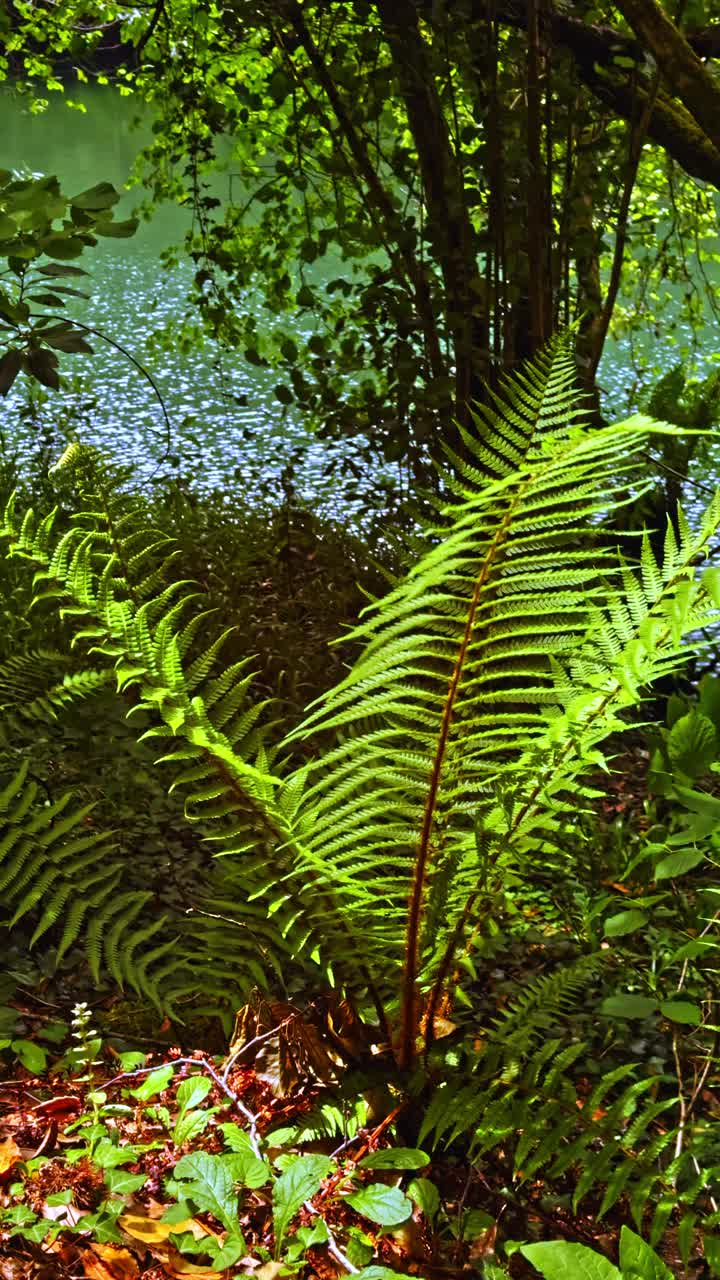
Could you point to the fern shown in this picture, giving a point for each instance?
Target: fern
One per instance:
(55, 865)
(488, 682)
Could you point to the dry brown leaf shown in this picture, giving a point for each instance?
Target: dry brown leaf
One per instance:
(9, 1154)
(269, 1270)
(108, 1262)
(152, 1231)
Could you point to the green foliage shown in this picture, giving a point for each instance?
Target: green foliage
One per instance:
(55, 866)
(38, 254)
(556, 1259)
(458, 745)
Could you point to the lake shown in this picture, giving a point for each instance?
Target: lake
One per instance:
(228, 429)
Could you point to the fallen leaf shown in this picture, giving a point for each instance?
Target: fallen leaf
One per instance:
(9, 1154)
(185, 1267)
(153, 1231)
(64, 1105)
(108, 1262)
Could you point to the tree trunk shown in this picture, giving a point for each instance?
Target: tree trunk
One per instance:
(449, 226)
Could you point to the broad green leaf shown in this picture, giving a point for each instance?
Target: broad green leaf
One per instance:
(153, 1084)
(232, 1249)
(692, 744)
(31, 1055)
(190, 1125)
(210, 1186)
(682, 1011)
(117, 230)
(10, 365)
(625, 922)
(107, 1155)
(426, 1196)
(382, 1204)
(247, 1170)
(102, 196)
(628, 1006)
(395, 1158)
(296, 1185)
(60, 1197)
(558, 1260)
(382, 1273)
(192, 1091)
(638, 1261)
(676, 864)
(236, 1138)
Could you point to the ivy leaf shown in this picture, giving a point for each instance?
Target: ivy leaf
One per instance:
(556, 1260)
(122, 1183)
(296, 1185)
(384, 1205)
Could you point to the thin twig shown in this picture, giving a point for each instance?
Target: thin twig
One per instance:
(332, 1245)
(97, 333)
(251, 1118)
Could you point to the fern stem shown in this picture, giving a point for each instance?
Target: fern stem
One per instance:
(409, 1020)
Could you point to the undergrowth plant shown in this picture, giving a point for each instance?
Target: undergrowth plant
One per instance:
(454, 753)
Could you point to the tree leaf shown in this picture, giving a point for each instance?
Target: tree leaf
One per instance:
(395, 1158)
(60, 269)
(637, 1259)
(387, 1206)
(102, 196)
(296, 1185)
(43, 365)
(624, 922)
(10, 365)
(116, 230)
(558, 1260)
(627, 1006)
